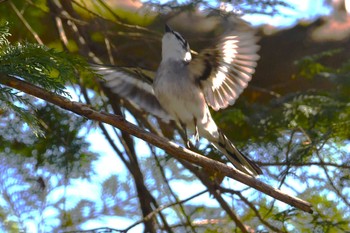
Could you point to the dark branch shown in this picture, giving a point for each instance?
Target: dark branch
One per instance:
(146, 218)
(170, 147)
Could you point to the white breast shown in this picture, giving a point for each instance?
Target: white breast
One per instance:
(177, 94)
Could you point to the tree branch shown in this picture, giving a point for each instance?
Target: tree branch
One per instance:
(304, 164)
(225, 206)
(26, 24)
(160, 208)
(168, 146)
(251, 206)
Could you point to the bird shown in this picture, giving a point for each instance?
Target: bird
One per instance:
(185, 87)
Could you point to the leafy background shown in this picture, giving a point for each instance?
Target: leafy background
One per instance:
(293, 119)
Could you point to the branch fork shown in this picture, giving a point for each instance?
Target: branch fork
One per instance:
(170, 147)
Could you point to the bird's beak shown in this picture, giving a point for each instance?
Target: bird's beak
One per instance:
(194, 52)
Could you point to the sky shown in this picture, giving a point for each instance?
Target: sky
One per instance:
(303, 10)
(109, 164)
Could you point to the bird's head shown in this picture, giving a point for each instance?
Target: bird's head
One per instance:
(174, 46)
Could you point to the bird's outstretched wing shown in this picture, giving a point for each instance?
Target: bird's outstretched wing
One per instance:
(132, 85)
(224, 71)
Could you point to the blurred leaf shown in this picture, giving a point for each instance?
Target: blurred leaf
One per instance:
(310, 66)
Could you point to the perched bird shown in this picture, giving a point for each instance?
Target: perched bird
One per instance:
(184, 88)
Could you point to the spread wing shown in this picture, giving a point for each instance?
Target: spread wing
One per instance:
(224, 71)
(134, 86)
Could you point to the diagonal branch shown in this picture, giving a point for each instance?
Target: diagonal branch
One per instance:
(160, 208)
(212, 188)
(251, 206)
(26, 24)
(168, 146)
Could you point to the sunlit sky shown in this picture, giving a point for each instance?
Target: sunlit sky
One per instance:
(303, 10)
(109, 164)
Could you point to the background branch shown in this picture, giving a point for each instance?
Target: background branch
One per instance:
(170, 147)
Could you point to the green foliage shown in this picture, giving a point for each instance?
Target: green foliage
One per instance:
(299, 129)
(299, 138)
(328, 217)
(9, 97)
(58, 153)
(61, 148)
(311, 66)
(6, 224)
(58, 158)
(38, 65)
(315, 115)
(12, 100)
(313, 110)
(4, 33)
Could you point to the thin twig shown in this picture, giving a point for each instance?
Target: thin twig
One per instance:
(26, 24)
(109, 50)
(251, 206)
(212, 187)
(306, 164)
(330, 180)
(117, 18)
(228, 210)
(170, 147)
(145, 122)
(100, 229)
(173, 194)
(149, 216)
(105, 132)
(285, 173)
(61, 32)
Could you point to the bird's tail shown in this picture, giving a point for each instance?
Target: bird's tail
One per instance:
(240, 161)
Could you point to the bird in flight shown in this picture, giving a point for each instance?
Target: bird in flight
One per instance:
(184, 88)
